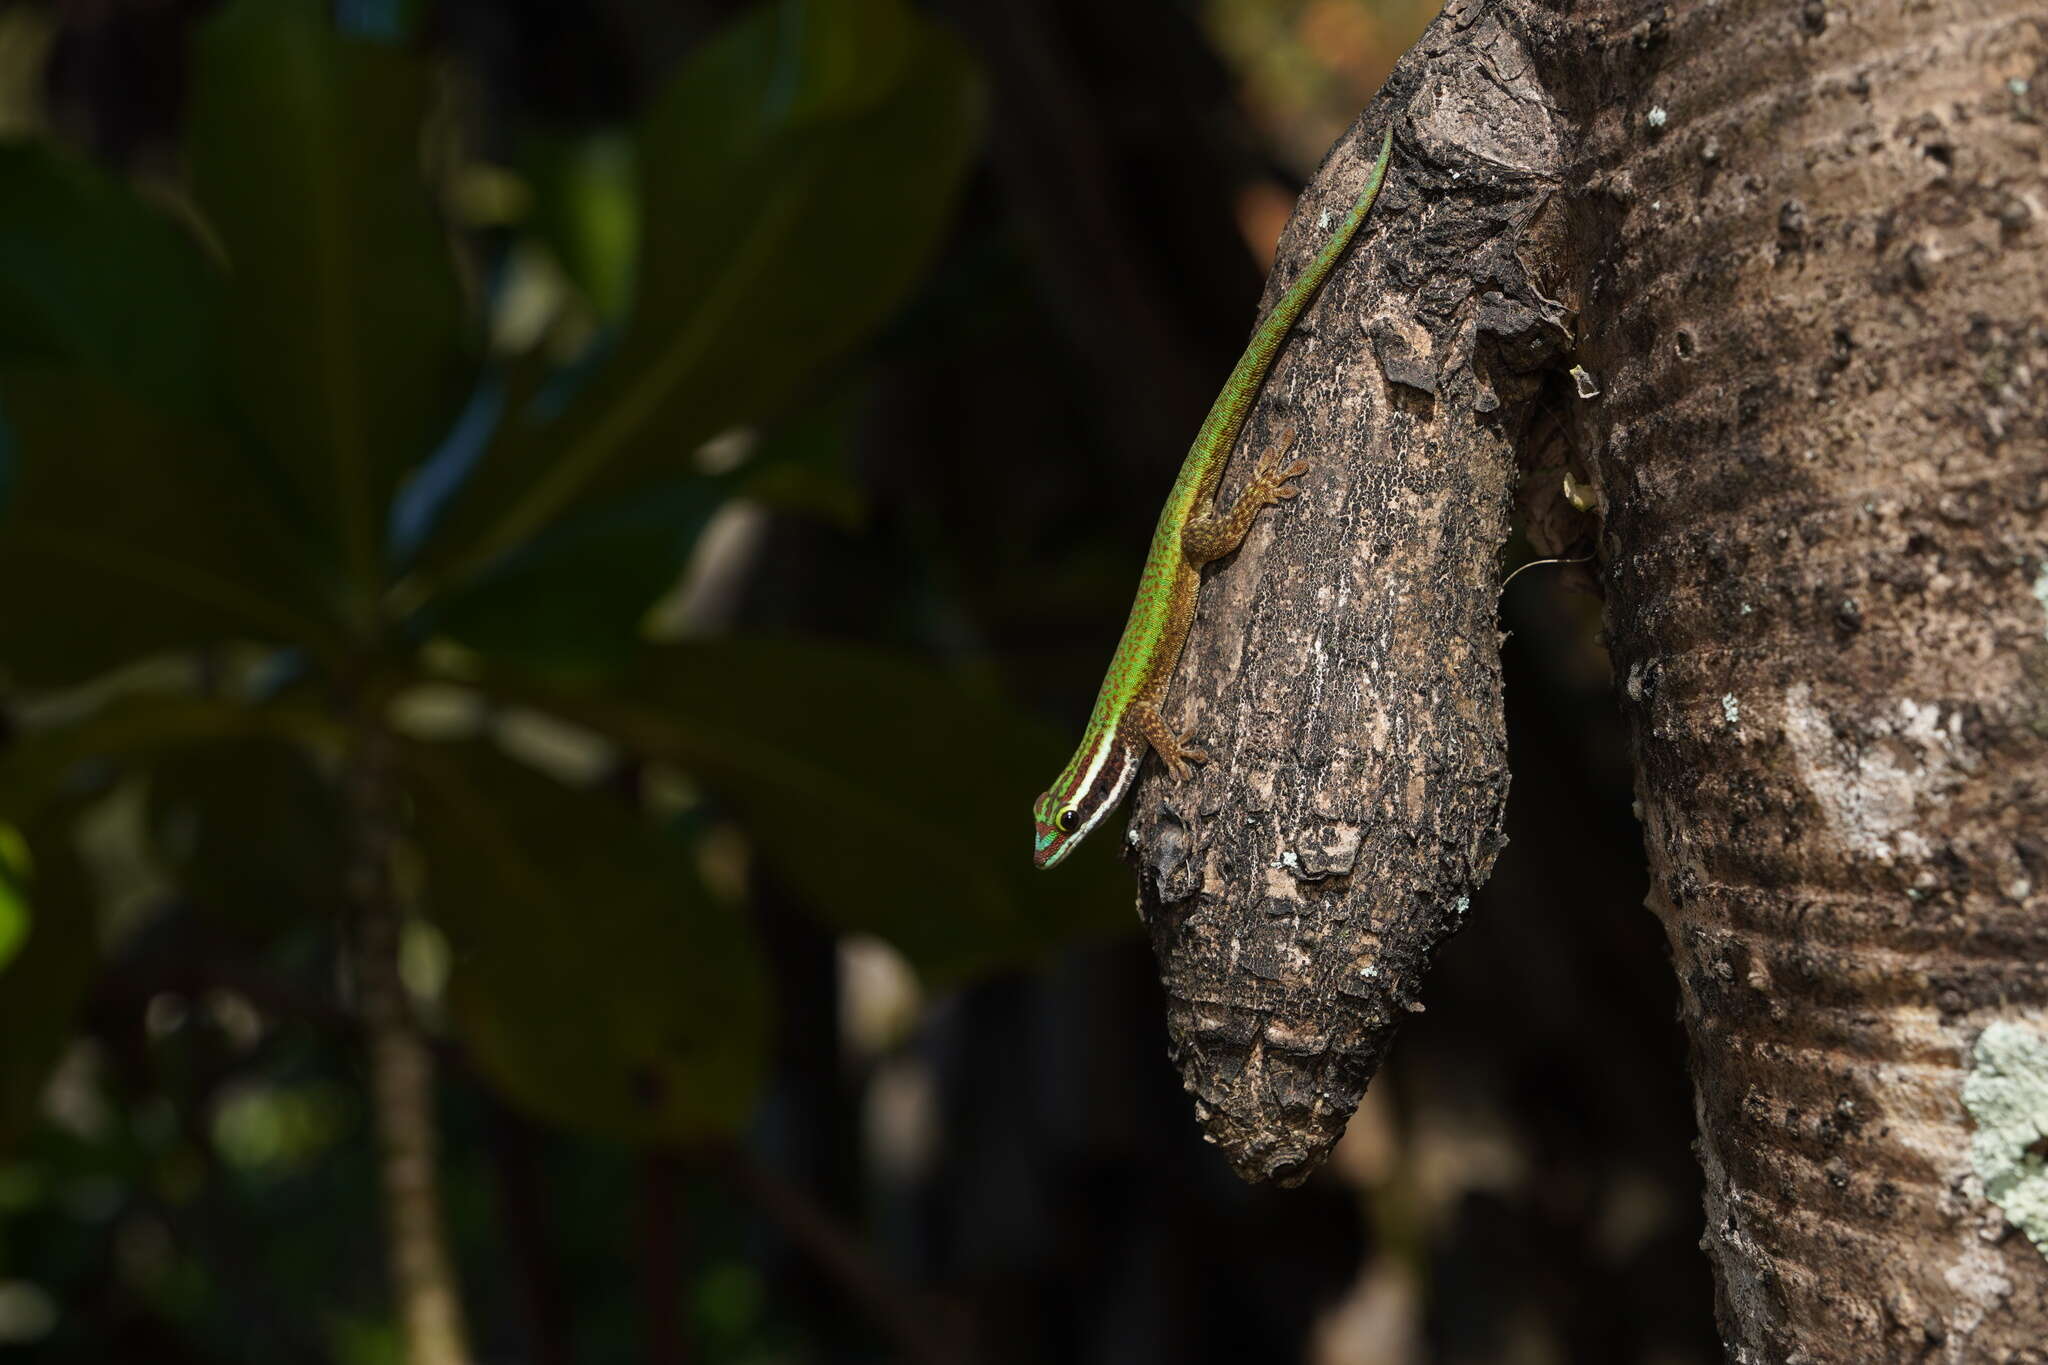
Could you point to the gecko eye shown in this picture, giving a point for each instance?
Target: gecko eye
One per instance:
(1065, 821)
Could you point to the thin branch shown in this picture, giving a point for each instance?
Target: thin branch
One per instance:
(522, 1213)
(921, 1330)
(401, 1075)
(662, 1272)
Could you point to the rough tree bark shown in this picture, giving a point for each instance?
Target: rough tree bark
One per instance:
(1803, 249)
(1820, 309)
(1344, 673)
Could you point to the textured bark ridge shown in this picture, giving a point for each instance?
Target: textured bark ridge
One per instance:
(1820, 314)
(1343, 671)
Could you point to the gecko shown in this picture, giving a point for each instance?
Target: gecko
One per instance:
(1192, 531)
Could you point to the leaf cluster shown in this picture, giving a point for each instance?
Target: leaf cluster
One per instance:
(285, 457)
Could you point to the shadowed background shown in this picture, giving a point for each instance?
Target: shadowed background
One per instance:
(719, 441)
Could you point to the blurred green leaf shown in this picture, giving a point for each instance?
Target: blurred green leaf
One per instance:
(126, 531)
(897, 800)
(251, 830)
(149, 326)
(587, 209)
(14, 869)
(42, 989)
(803, 466)
(345, 350)
(594, 979)
(35, 768)
(574, 601)
(571, 601)
(355, 1340)
(795, 177)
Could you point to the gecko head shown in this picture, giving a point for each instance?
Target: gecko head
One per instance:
(1087, 791)
(1055, 828)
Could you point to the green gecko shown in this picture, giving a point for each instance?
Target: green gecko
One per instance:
(1126, 718)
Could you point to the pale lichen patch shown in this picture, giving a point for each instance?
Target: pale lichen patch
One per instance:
(1978, 1280)
(2006, 1093)
(1873, 779)
(2041, 595)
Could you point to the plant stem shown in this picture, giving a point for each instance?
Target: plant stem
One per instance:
(922, 1330)
(401, 1074)
(662, 1256)
(516, 1160)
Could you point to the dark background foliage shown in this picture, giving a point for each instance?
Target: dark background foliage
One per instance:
(719, 440)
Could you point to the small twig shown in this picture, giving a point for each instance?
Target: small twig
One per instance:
(522, 1219)
(1539, 563)
(661, 1260)
(920, 1329)
(401, 1073)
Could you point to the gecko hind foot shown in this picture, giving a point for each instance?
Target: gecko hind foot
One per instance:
(1217, 534)
(1269, 478)
(1183, 755)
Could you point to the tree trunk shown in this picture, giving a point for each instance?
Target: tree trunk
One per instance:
(1823, 450)
(1798, 253)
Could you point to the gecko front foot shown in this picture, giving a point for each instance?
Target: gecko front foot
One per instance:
(1174, 750)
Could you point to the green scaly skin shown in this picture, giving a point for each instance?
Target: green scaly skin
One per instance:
(1127, 719)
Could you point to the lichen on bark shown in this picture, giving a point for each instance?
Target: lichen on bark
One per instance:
(2006, 1093)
